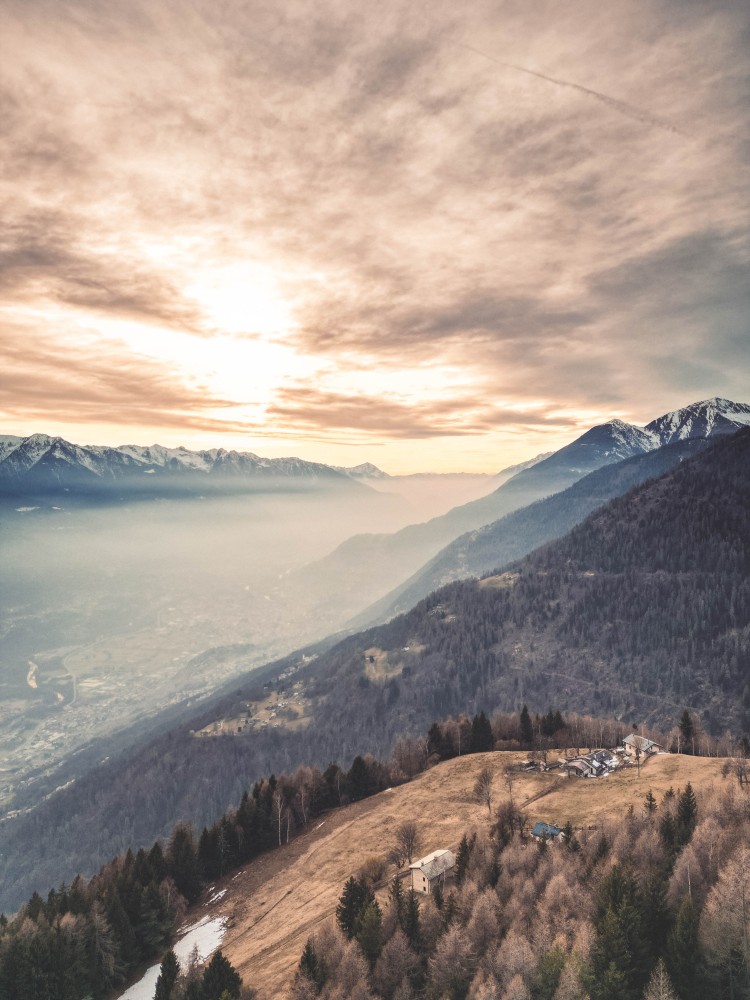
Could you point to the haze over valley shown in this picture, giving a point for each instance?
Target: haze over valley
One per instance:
(115, 608)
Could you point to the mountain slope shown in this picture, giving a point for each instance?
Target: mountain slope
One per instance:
(268, 953)
(708, 418)
(365, 568)
(516, 534)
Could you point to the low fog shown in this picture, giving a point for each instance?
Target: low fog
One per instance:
(111, 612)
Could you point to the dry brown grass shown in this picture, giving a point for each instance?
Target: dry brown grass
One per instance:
(384, 665)
(277, 901)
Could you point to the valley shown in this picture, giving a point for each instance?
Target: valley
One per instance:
(139, 637)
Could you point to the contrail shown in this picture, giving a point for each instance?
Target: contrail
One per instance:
(638, 114)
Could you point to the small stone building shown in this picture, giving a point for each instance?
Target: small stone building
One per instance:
(431, 871)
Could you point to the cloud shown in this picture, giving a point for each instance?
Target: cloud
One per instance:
(42, 379)
(44, 255)
(421, 210)
(622, 107)
(308, 409)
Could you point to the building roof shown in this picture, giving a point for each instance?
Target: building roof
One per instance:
(435, 864)
(548, 830)
(578, 765)
(641, 743)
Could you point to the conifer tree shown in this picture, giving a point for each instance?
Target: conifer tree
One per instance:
(462, 858)
(311, 966)
(355, 897)
(369, 932)
(611, 963)
(655, 915)
(526, 728)
(683, 954)
(687, 815)
(436, 742)
(220, 977)
(481, 734)
(182, 859)
(170, 969)
(396, 893)
(411, 925)
(360, 779)
(687, 731)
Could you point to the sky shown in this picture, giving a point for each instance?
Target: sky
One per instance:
(432, 236)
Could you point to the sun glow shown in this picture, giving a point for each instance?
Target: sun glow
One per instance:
(243, 298)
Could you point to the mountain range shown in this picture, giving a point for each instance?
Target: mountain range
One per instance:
(641, 610)
(494, 545)
(364, 569)
(44, 464)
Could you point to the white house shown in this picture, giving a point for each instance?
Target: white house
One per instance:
(430, 871)
(638, 745)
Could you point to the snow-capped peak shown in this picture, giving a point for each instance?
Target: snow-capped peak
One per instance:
(364, 471)
(706, 418)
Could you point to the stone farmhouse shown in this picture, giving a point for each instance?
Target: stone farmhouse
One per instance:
(635, 745)
(431, 871)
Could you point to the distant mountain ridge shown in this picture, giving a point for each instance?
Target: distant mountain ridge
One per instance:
(365, 568)
(41, 463)
(709, 418)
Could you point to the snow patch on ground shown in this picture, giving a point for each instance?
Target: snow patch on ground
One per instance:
(205, 935)
(217, 896)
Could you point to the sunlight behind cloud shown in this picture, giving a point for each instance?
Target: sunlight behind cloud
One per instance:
(465, 234)
(242, 298)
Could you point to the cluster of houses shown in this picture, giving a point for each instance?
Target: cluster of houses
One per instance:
(634, 749)
(431, 871)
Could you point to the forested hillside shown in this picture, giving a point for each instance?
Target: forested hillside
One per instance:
(642, 611)
(366, 567)
(515, 535)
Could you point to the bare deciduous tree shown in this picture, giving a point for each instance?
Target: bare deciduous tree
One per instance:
(405, 847)
(725, 922)
(409, 756)
(453, 963)
(517, 990)
(278, 806)
(659, 985)
(483, 788)
(396, 962)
